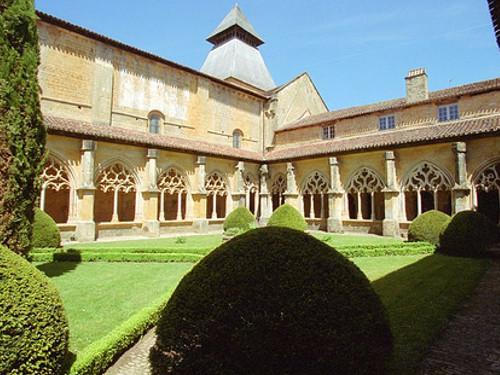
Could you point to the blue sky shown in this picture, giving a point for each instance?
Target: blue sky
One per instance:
(357, 52)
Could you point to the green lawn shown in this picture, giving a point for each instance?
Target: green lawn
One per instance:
(420, 299)
(98, 297)
(420, 292)
(353, 239)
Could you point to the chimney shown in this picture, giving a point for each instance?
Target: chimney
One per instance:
(416, 85)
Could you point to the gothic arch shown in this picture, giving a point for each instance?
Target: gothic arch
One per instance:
(57, 190)
(117, 185)
(314, 190)
(217, 188)
(486, 189)
(425, 187)
(364, 196)
(251, 186)
(174, 189)
(278, 189)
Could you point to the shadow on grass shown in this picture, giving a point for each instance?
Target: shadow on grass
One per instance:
(420, 299)
(62, 263)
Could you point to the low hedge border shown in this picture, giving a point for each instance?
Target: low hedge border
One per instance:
(194, 255)
(98, 356)
(97, 249)
(115, 257)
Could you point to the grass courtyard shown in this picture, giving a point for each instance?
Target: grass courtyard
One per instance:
(420, 292)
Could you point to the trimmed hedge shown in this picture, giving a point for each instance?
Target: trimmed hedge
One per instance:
(468, 234)
(33, 326)
(428, 226)
(273, 301)
(240, 219)
(287, 216)
(115, 257)
(45, 231)
(101, 354)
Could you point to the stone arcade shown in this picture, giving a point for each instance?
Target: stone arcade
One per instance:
(139, 145)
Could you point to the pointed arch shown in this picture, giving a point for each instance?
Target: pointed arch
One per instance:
(251, 187)
(314, 192)
(486, 189)
(425, 187)
(217, 194)
(56, 190)
(278, 189)
(116, 185)
(173, 185)
(365, 200)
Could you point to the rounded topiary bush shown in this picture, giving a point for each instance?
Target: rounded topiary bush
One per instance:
(273, 301)
(45, 231)
(468, 233)
(287, 216)
(240, 219)
(33, 326)
(427, 227)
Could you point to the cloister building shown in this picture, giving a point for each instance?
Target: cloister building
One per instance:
(139, 145)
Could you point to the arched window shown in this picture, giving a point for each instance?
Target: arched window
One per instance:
(487, 191)
(173, 189)
(315, 196)
(154, 122)
(426, 187)
(115, 196)
(278, 190)
(216, 196)
(251, 193)
(364, 195)
(55, 193)
(237, 135)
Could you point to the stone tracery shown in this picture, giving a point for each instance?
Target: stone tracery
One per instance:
(278, 190)
(173, 194)
(315, 196)
(216, 189)
(56, 188)
(486, 187)
(364, 194)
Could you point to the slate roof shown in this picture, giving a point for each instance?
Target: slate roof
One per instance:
(324, 118)
(443, 132)
(235, 17)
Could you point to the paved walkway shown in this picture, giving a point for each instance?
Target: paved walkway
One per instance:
(135, 361)
(470, 345)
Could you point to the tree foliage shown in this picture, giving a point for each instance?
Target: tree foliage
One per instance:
(22, 135)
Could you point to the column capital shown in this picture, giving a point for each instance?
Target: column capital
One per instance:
(153, 153)
(201, 160)
(88, 145)
(460, 147)
(333, 160)
(389, 155)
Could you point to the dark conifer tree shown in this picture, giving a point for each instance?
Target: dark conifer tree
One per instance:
(22, 134)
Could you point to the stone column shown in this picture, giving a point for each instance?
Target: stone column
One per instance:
(335, 198)
(151, 224)
(291, 193)
(264, 196)
(85, 224)
(199, 196)
(390, 224)
(461, 191)
(240, 196)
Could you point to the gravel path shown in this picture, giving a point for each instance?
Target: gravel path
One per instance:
(135, 361)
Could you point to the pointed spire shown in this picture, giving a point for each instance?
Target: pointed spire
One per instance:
(235, 24)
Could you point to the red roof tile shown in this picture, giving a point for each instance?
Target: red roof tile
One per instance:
(323, 118)
(394, 138)
(115, 134)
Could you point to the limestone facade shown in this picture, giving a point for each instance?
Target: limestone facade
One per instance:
(139, 145)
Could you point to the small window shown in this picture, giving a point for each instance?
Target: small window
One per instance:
(386, 122)
(448, 112)
(237, 134)
(154, 123)
(328, 132)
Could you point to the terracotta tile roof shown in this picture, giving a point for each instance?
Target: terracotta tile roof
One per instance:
(104, 39)
(469, 89)
(115, 134)
(395, 138)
